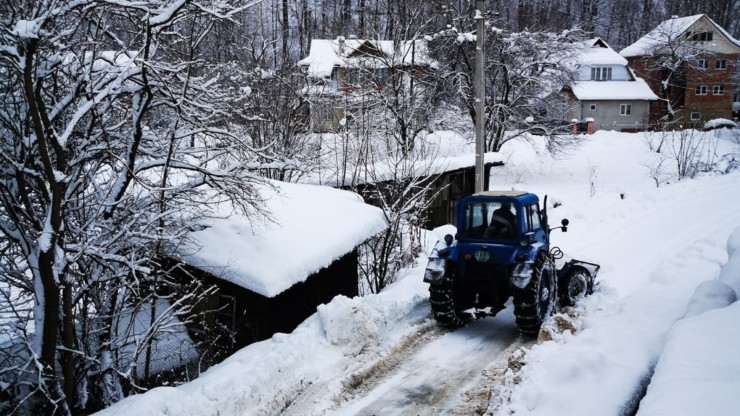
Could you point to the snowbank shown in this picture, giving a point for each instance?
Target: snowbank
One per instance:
(314, 225)
(698, 370)
(719, 122)
(731, 270)
(342, 338)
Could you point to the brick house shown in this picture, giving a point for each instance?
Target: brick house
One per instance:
(691, 63)
(339, 70)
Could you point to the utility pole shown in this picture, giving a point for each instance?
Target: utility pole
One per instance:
(480, 100)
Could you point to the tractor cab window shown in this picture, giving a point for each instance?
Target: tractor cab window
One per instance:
(489, 220)
(534, 217)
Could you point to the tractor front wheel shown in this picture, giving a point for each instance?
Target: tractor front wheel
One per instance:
(534, 303)
(577, 284)
(445, 299)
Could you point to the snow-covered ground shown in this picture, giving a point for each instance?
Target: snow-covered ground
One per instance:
(382, 354)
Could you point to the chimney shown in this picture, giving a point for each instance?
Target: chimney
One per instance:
(340, 40)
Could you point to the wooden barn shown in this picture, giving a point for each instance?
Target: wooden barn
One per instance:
(269, 277)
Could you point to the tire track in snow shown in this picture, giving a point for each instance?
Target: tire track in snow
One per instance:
(430, 381)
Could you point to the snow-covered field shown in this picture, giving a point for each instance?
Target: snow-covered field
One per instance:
(382, 354)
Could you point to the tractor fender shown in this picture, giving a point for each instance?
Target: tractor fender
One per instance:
(521, 274)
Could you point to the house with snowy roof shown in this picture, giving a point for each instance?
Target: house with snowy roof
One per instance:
(607, 92)
(690, 62)
(271, 276)
(339, 70)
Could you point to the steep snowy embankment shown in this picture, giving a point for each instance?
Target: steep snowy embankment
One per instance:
(699, 369)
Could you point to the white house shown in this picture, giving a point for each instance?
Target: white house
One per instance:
(338, 70)
(607, 91)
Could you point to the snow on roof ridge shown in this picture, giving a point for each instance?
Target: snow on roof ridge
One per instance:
(325, 54)
(673, 28)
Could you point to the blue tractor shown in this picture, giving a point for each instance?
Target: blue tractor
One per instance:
(502, 249)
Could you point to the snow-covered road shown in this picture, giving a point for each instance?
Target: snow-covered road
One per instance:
(431, 380)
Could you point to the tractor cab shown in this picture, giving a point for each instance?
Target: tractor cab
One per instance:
(504, 217)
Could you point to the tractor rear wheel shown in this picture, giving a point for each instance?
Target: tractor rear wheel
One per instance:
(535, 302)
(445, 299)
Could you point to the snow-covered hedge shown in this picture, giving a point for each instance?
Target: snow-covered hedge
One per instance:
(718, 123)
(698, 371)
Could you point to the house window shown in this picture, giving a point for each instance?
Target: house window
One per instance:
(667, 88)
(703, 63)
(720, 64)
(601, 74)
(700, 36)
(352, 76)
(325, 113)
(695, 116)
(625, 109)
(334, 78)
(381, 75)
(701, 90)
(718, 90)
(592, 107)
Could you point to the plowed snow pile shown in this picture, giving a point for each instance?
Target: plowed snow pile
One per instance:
(343, 337)
(699, 370)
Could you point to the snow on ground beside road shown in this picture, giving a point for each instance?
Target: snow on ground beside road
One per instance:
(344, 337)
(699, 370)
(655, 246)
(599, 371)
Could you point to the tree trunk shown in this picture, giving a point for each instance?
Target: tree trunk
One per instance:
(68, 366)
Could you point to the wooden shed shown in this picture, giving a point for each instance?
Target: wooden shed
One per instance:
(269, 277)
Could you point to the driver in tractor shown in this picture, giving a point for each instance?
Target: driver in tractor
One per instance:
(503, 222)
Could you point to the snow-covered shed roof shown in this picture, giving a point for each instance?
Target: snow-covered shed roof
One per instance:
(313, 226)
(613, 90)
(325, 54)
(598, 52)
(388, 170)
(669, 31)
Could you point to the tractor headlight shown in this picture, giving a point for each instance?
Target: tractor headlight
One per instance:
(524, 242)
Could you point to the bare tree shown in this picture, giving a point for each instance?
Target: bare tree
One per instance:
(116, 139)
(522, 69)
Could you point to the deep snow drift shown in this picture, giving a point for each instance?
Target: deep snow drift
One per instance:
(699, 369)
(655, 245)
